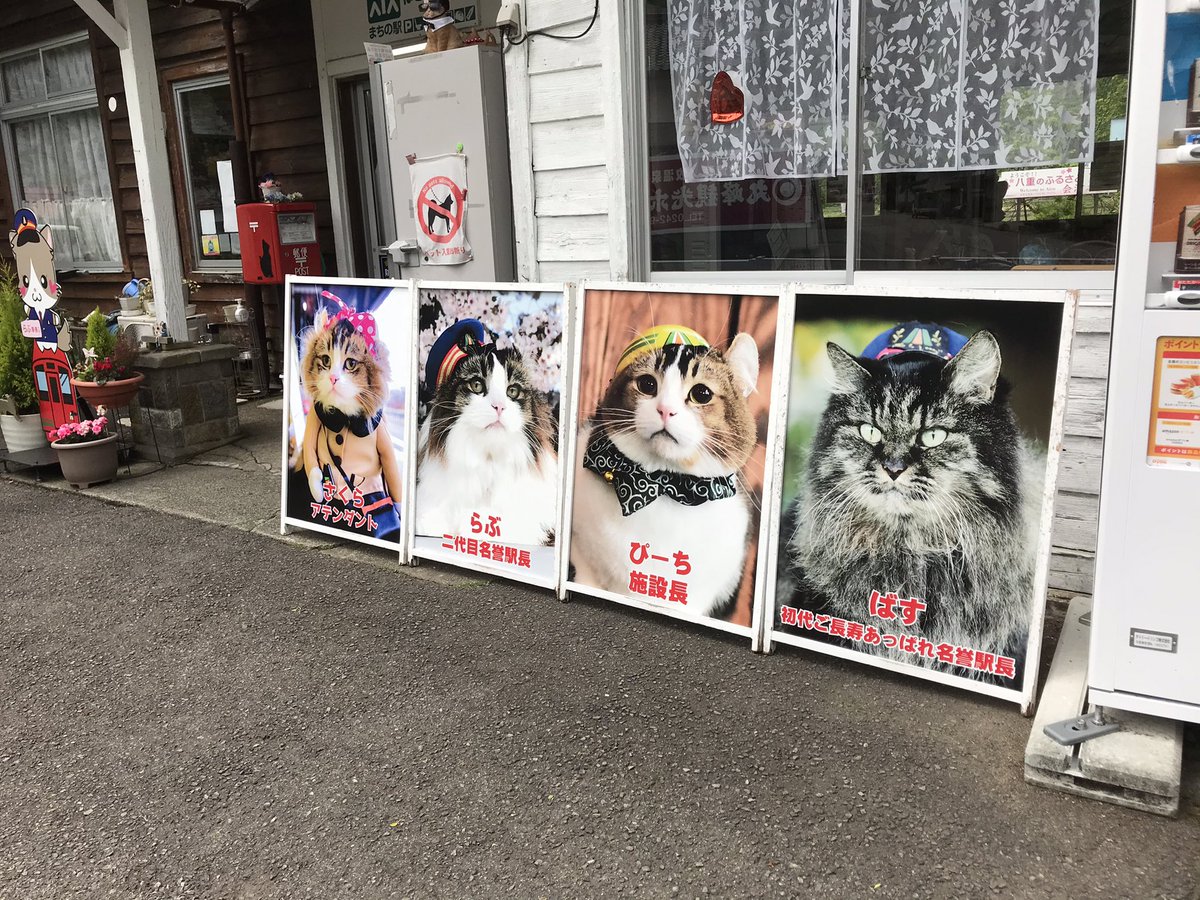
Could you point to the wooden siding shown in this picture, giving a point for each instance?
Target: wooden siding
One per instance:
(278, 70)
(558, 129)
(1076, 506)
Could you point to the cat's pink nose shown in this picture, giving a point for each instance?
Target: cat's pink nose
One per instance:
(333, 379)
(666, 414)
(499, 408)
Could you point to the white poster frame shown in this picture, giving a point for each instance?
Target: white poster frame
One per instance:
(485, 567)
(753, 631)
(1025, 695)
(288, 523)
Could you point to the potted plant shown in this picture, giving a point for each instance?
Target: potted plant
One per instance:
(146, 295)
(87, 452)
(19, 419)
(106, 377)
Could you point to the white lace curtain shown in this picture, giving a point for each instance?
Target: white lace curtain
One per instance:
(59, 165)
(948, 84)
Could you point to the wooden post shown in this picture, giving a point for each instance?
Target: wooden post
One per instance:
(140, 77)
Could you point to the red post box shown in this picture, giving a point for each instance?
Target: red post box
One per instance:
(278, 239)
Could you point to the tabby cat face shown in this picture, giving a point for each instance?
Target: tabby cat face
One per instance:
(490, 395)
(915, 436)
(339, 372)
(684, 409)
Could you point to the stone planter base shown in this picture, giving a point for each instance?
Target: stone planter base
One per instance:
(23, 433)
(188, 402)
(90, 463)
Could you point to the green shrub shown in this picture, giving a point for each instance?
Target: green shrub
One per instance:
(16, 350)
(99, 338)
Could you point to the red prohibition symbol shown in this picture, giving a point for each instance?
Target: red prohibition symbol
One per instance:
(440, 209)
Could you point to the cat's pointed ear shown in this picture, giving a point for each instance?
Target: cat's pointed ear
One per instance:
(974, 371)
(849, 376)
(742, 357)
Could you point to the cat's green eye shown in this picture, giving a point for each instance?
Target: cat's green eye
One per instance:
(931, 437)
(323, 360)
(514, 392)
(870, 433)
(700, 394)
(648, 385)
(351, 365)
(475, 385)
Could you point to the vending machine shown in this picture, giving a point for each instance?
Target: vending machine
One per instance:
(1145, 637)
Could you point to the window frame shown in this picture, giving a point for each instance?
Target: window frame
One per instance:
(634, 125)
(174, 84)
(75, 101)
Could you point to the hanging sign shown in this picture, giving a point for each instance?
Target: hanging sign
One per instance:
(439, 185)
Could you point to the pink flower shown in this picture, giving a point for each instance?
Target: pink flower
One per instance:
(97, 426)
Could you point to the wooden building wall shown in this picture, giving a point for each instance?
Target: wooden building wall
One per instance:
(278, 71)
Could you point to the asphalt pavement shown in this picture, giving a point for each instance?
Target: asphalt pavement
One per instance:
(190, 710)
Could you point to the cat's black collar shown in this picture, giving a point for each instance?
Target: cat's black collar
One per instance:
(336, 420)
(636, 488)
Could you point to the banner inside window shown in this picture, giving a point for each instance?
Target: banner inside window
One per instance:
(964, 84)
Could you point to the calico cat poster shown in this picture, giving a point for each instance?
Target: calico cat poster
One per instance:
(673, 405)
(491, 371)
(346, 376)
(921, 447)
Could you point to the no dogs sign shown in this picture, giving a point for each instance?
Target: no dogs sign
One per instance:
(439, 186)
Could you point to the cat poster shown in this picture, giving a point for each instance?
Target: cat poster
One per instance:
(921, 448)
(346, 376)
(491, 365)
(672, 410)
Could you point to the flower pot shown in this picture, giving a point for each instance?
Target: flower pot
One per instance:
(113, 394)
(89, 463)
(23, 432)
(130, 304)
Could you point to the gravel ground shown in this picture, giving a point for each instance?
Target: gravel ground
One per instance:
(190, 711)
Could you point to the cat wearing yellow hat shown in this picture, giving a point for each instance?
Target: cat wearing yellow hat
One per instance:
(661, 466)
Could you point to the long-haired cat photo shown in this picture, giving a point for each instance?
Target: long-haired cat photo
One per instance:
(920, 483)
(660, 479)
(487, 443)
(346, 456)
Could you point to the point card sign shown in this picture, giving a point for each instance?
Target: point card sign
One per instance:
(439, 186)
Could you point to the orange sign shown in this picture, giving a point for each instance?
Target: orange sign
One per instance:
(1175, 410)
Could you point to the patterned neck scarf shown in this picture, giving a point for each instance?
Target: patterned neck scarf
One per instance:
(636, 488)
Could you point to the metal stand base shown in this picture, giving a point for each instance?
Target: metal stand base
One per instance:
(1070, 732)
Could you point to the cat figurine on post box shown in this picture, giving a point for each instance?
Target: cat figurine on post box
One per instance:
(440, 31)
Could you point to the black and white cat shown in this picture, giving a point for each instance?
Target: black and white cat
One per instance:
(678, 412)
(920, 482)
(488, 444)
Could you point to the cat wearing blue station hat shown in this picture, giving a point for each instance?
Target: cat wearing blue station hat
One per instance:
(488, 443)
(917, 483)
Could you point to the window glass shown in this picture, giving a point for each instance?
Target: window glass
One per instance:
(750, 224)
(68, 69)
(205, 111)
(58, 164)
(23, 81)
(982, 147)
(1059, 213)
